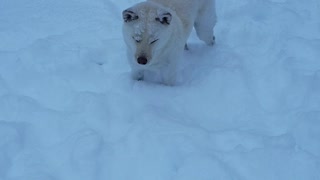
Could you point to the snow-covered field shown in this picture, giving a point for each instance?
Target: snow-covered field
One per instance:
(246, 109)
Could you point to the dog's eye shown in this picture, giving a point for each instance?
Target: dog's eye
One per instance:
(154, 41)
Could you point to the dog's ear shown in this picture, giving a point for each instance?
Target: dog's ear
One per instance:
(164, 18)
(129, 15)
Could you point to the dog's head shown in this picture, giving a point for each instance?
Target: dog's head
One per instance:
(146, 31)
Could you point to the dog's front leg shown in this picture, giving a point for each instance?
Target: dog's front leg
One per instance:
(137, 74)
(170, 74)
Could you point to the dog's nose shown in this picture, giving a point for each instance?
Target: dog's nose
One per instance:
(142, 60)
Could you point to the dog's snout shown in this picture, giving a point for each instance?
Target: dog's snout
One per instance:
(142, 60)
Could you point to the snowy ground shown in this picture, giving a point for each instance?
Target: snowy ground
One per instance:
(247, 109)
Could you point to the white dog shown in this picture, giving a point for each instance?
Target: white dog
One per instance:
(156, 32)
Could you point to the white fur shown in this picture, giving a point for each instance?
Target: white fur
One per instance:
(169, 24)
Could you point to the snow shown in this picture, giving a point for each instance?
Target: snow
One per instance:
(247, 109)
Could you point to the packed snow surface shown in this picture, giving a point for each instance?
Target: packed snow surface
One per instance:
(246, 109)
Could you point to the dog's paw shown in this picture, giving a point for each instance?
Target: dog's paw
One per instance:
(186, 47)
(137, 75)
(212, 42)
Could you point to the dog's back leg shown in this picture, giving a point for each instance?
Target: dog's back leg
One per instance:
(205, 22)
